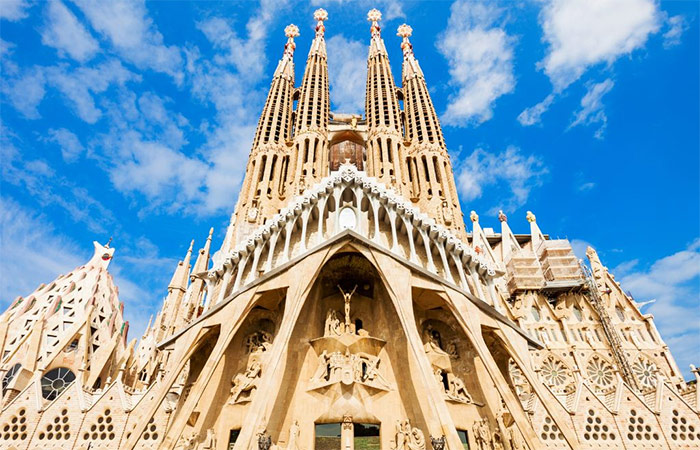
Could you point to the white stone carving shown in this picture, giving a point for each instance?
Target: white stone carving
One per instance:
(348, 368)
(279, 227)
(408, 438)
(245, 382)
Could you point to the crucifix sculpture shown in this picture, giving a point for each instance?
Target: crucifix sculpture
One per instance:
(346, 298)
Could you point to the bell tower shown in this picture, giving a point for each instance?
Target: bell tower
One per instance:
(265, 185)
(428, 167)
(313, 109)
(382, 111)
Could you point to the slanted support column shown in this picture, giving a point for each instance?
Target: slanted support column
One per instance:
(468, 316)
(434, 408)
(273, 373)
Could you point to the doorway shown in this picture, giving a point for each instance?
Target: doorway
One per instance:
(327, 436)
(366, 436)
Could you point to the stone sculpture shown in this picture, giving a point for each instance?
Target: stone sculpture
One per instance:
(245, 382)
(332, 326)
(408, 438)
(458, 391)
(293, 436)
(482, 434)
(264, 440)
(438, 443)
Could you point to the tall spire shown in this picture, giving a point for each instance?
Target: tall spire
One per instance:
(382, 110)
(313, 110)
(428, 165)
(275, 121)
(422, 124)
(268, 164)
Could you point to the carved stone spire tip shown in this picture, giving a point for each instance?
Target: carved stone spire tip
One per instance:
(291, 31)
(474, 216)
(321, 14)
(404, 31)
(374, 16)
(530, 217)
(502, 217)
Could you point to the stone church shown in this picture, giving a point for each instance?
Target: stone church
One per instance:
(349, 307)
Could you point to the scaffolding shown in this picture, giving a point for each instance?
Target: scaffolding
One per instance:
(609, 329)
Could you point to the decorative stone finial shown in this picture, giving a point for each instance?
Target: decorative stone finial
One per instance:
(530, 217)
(502, 217)
(474, 216)
(291, 31)
(320, 15)
(374, 16)
(405, 31)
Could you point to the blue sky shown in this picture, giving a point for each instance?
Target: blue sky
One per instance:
(135, 120)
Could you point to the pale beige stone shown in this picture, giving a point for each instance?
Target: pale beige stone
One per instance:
(348, 291)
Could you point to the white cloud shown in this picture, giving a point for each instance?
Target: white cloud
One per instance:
(70, 145)
(511, 171)
(65, 33)
(14, 10)
(79, 85)
(592, 110)
(163, 175)
(480, 56)
(134, 36)
(674, 281)
(347, 70)
(49, 188)
(587, 186)
(533, 114)
(583, 33)
(32, 252)
(25, 92)
(676, 27)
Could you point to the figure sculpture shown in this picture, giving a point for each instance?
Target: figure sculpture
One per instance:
(258, 342)
(439, 443)
(408, 438)
(322, 373)
(332, 326)
(458, 391)
(245, 382)
(346, 298)
(264, 440)
(293, 436)
(432, 341)
(482, 434)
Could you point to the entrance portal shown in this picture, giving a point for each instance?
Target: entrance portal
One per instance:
(366, 436)
(327, 436)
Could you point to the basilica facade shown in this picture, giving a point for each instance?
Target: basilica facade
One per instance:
(351, 307)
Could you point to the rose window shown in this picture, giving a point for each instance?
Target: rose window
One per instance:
(56, 381)
(645, 371)
(600, 372)
(555, 374)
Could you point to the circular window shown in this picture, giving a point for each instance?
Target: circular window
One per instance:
(9, 376)
(56, 381)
